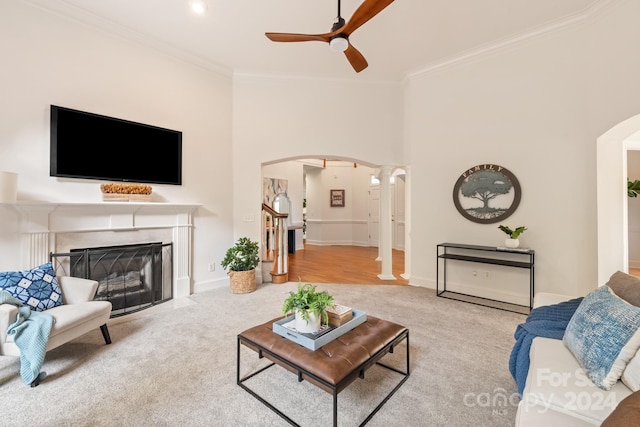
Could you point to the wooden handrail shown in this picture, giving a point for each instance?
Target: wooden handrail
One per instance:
(277, 250)
(272, 212)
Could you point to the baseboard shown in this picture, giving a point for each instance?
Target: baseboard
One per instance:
(335, 243)
(210, 285)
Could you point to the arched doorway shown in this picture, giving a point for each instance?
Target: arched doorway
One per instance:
(310, 180)
(613, 245)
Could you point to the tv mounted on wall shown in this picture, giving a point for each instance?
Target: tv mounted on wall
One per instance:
(92, 146)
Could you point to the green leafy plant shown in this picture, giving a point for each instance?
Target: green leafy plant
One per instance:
(307, 300)
(513, 233)
(633, 188)
(243, 256)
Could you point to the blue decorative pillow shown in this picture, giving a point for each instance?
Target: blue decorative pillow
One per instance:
(37, 288)
(604, 335)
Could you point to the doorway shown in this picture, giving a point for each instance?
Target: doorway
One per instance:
(309, 183)
(612, 214)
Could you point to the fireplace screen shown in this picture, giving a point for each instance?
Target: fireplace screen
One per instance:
(131, 277)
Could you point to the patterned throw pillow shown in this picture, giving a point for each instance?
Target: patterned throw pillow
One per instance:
(604, 334)
(37, 288)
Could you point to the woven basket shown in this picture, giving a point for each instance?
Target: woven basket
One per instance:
(242, 282)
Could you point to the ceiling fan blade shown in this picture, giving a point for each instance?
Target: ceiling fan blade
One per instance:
(355, 58)
(367, 10)
(289, 37)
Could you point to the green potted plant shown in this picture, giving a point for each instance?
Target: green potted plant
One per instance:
(512, 241)
(309, 307)
(633, 188)
(242, 259)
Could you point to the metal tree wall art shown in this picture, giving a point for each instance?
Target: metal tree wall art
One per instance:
(486, 193)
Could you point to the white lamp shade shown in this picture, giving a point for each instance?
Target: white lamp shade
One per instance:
(8, 187)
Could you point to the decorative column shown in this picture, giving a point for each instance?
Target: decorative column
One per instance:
(182, 256)
(37, 239)
(407, 223)
(385, 245)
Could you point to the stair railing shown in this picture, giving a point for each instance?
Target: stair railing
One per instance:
(276, 249)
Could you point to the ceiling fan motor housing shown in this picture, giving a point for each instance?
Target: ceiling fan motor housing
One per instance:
(340, 22)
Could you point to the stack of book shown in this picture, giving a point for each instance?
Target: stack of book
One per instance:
(339, 315)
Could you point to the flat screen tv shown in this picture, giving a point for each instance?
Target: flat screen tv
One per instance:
(92, 146)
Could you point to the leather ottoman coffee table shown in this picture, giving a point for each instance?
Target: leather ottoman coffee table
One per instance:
(332, 367)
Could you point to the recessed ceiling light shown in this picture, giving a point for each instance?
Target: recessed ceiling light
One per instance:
(198, 6)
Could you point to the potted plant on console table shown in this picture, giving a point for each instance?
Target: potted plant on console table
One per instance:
(512, 241)
(242, 260)
(309, 307)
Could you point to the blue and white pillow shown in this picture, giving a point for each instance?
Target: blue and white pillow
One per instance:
(604, 334)
(37, 287)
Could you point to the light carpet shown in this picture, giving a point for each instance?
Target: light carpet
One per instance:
(175, 365)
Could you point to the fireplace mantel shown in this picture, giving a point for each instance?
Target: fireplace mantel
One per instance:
(81, 216)
(40, 222)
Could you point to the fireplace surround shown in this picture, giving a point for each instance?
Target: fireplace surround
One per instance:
(43, 224)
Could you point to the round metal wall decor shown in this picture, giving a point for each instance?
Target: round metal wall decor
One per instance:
(486, 194)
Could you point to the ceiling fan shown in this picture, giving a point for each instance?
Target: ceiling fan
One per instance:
(338, 38)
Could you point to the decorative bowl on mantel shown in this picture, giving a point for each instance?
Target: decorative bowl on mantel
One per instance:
(119, 192)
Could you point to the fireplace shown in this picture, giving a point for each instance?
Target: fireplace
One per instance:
(58, 227)
(132, 277)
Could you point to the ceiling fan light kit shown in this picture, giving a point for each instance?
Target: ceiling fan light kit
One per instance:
(338, 38)
(339, 43)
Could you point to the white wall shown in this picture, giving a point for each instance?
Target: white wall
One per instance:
(50, 60)
(327, 225)
(536, 108)
(286, 118)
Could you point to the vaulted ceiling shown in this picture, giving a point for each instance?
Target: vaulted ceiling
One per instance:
(407, 37)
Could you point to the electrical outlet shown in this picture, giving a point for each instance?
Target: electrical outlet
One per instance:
(249, 218)
(487, 275)
(212, 266)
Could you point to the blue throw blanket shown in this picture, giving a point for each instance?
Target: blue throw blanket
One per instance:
(549, 321)
(31, 334)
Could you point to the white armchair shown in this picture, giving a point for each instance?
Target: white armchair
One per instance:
(77, 315)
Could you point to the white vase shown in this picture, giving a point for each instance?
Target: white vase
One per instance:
(512, 243)
(313, 325)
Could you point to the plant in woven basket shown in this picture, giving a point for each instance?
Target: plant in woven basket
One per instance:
(243, 256)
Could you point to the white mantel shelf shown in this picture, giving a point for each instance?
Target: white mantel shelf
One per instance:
(93, 216)
(109, 206)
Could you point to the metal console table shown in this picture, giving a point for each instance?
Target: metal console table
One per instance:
(518, 258)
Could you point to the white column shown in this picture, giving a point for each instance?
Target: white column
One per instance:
(384, 248)
(407, 224)
(37, 239)
(182, 256)
(39, 247)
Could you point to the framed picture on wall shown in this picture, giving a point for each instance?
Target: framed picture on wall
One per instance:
(337, 198)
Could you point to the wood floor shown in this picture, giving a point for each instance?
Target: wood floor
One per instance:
(342, 264)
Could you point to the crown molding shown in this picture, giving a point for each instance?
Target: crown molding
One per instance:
(578, 18)
(83, 17)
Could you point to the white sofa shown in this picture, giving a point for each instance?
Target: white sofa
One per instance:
(557, 392)
(77, 315)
